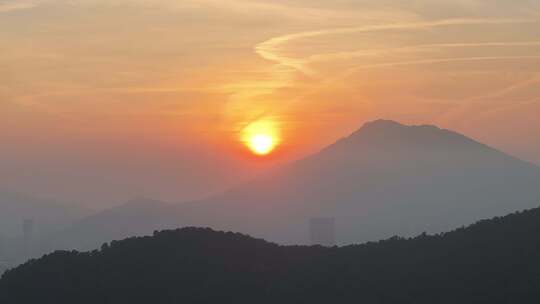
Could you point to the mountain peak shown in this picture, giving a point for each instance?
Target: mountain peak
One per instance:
(385, 135)
(382, 124)
(143, 201)
(392, 132)
(380, 128)
(386, 125)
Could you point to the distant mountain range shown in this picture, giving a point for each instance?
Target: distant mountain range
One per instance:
(134, 218)
(384, 179)
(48, 215)
(26, 224)
(493, 261)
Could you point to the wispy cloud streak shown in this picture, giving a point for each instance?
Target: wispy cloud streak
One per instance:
(270, 49)
(9, 6)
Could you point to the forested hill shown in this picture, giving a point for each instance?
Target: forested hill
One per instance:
(493, 261)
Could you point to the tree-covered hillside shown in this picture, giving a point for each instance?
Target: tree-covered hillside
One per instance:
(493, 261)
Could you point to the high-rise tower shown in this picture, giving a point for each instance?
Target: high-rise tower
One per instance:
(322, 231)
(28, 235)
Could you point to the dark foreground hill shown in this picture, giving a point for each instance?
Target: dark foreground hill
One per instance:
(493, 261)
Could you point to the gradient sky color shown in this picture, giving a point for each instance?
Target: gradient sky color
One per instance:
(102, 100)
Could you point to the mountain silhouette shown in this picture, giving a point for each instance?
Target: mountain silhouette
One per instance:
(384, 179)
(134, 218)
(48, 215)
(25, 223)
(492, 261)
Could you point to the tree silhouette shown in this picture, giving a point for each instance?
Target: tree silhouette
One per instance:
(492, 261)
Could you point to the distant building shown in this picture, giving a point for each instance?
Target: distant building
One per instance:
(323, 231)
(28, 235)
(4, 263)
(2, 247)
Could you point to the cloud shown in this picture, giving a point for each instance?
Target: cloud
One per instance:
(270, 49)
(9, 6)
(412, 49)
(444, 60)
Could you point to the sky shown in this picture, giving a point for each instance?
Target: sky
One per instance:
(104, 100)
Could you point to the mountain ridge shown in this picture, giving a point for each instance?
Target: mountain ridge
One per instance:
(490, 261)
(48, 215)
(375, 169)
(374, 188)
(394, 132)
(133, 218)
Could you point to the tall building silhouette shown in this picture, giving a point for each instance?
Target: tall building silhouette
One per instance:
(2, 248)
(28, 235)
(322, 231)
(5, 261)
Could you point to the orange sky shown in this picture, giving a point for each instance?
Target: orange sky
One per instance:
(91, 80)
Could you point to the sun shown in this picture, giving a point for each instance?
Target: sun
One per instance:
(261, 144)
(261, 137)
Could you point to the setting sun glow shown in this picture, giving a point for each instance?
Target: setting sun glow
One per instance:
(261, 137)
(261, 144)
